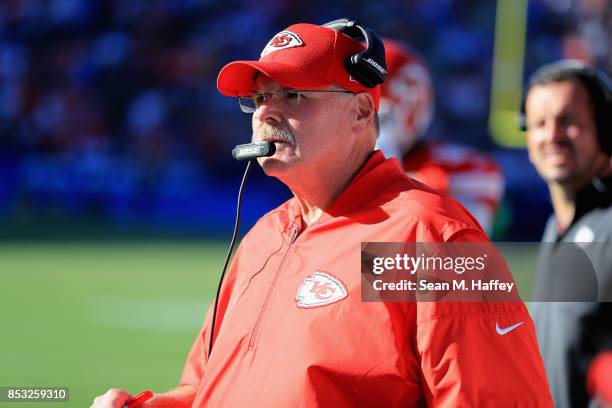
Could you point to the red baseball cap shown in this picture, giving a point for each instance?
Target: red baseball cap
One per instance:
(303, 56)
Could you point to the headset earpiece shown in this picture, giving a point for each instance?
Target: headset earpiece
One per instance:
(522, 118)
(368, 67)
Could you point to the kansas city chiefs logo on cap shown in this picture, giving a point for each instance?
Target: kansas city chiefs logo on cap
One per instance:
(319, 290)
(281, 41)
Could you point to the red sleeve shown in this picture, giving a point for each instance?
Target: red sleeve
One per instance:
(465, 360)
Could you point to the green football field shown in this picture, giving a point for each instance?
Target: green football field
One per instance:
(94, 316)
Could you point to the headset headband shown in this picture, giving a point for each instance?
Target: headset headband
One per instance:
(368, 67)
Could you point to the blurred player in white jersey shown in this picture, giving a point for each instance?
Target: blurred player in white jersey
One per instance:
(406, 113)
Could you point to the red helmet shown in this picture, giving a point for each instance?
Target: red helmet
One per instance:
(407, 100)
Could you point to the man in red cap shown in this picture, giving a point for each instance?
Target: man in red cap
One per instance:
(291, 327)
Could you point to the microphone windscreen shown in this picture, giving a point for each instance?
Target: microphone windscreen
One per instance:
(250, 151)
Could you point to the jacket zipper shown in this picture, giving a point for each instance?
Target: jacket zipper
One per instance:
(266, 305)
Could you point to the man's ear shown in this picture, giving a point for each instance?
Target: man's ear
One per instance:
(364, 111)
(605, 168)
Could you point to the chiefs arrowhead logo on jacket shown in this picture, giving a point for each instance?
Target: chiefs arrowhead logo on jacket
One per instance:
(319, 290)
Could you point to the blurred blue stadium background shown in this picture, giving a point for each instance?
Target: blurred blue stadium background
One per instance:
(111, 127)
(111, 124)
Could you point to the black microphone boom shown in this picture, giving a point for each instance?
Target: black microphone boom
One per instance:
(253, 150)
(248, 152)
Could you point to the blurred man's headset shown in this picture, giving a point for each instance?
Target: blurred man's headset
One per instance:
(368, 67)
(597, 85)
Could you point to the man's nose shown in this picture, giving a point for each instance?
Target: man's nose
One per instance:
(556, 131)
(270, 111)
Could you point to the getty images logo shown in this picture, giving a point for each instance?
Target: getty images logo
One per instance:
(319, 290)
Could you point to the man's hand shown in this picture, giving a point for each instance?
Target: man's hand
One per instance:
(116, 398)
(113, 398)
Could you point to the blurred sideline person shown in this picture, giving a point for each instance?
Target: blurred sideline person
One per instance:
(567, 115)
(291, 328)
(406, 113)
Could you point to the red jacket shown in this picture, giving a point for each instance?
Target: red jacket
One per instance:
(278, 346)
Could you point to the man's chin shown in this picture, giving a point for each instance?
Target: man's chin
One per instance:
(559, 176)
(273, 166)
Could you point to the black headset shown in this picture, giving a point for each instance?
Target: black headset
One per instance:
(368, 67)
(597, 85)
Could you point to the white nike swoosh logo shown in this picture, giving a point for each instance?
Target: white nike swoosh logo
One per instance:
(506, 330)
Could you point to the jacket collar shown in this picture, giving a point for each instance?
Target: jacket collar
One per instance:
(376, 174)
(595, 195)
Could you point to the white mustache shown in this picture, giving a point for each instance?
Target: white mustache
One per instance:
(273, 134)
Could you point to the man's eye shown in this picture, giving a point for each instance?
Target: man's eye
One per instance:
(536, 124)
(259, 99)
(566, 121)
(293, 95)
